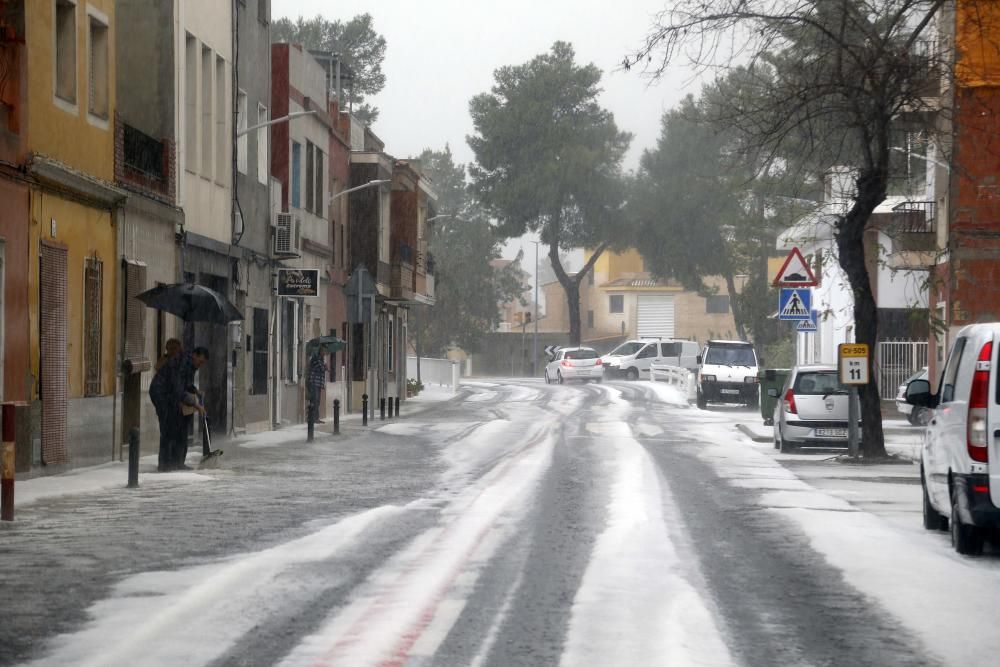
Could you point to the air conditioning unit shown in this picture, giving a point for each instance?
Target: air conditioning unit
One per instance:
(284, 235)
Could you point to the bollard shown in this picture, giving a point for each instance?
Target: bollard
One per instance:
(396, 409)
(7, 464)
(133, 458)
(381, 408)
(364, 409)
(311, 424)
(336, 416)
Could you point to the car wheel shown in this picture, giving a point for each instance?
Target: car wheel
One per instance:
(700, 401)
(559, 377)
(967, 540)
(632, 374)
(784, 446)
(598, 380)
(547, 380)
(932, 518)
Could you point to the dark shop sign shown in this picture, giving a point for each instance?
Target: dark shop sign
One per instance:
(298, 282)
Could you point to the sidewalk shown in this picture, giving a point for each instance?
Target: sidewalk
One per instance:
(901, 438)
(114, 474)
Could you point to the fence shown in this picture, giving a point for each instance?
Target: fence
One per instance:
(896, 361)
(681, 378)
(444, 372)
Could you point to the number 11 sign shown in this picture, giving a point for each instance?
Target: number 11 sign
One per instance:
(853, 363)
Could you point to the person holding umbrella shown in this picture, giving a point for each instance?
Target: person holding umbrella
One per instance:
(158, 390)
(315, 383)
(173, 393)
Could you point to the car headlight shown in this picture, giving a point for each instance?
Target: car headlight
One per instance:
(708, 378)
(750, 379)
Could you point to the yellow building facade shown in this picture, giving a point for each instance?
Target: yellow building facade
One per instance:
(73, 209)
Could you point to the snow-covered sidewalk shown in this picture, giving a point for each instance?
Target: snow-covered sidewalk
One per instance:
(901, 439)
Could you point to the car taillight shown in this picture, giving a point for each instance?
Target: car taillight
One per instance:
(978, 404)
(567, 362)
(599, 362)
(790, 403)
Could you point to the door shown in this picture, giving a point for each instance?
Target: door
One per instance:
(670, 354)
(3, 312)
(946, 424)
(655, 316)
(646, 357)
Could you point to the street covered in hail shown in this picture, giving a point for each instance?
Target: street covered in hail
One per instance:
(510, 523)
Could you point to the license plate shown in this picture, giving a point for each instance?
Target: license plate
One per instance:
(831, 432)
(730, 391)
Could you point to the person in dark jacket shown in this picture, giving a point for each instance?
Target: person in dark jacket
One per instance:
(187, 400)
(315, 383)
(158, 390)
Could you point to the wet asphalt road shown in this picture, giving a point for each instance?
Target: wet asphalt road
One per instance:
(496, 505)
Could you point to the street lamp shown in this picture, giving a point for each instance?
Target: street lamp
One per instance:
(276, 121)
(369, 184)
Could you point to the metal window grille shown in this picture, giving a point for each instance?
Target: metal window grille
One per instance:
(53, 346)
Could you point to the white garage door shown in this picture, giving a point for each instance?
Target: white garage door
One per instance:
(656, 316)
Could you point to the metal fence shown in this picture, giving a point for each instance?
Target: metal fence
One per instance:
(898, 360)
(444, 372)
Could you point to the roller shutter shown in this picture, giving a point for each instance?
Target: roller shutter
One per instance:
(655, 316)
(54, 371)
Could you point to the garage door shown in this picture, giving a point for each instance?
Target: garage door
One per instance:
(656, 316)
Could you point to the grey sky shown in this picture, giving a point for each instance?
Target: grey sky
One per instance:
(442, 52)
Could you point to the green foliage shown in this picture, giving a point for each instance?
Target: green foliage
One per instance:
(361, 48)
(548, 159)
(467, 288)
(413, 386)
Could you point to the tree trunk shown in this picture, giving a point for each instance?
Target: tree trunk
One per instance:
(851, 247)
(734, 303)
(571, 286)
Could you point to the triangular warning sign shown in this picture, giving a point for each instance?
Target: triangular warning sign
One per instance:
(794, 307)
(795, 272)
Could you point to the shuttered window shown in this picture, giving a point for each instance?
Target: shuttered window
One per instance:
(260, 356)
(53, 345)
(93, 288)
(135, 316)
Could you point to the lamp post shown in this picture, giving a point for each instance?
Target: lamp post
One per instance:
(369, 184)
(534, 352)
(276, 121)
(943, 165)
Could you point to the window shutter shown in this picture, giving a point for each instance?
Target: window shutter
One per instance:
(135, 317)
(54, 371)
(93, 294)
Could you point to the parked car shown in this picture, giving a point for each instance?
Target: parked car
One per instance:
(960, 488)
(916, 416)
(632, 359)
(574, 363)
(727, 373)
(811, 410)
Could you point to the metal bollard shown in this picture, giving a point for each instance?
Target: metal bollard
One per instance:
(7, 463)
(396, 410)
(133, 458)
(381, 408)
(364, 409)
(336, 416)
(311, 425)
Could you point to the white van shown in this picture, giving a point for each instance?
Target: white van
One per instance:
(961, 488)
(727, 373)
(633, 358)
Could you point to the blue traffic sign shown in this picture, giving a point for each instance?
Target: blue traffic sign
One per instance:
(808, 326)
(795, 304)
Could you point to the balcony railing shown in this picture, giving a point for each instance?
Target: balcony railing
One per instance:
(914, 217)
(145, 161)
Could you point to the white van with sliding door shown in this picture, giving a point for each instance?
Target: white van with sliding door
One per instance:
(632, 359)
(960, 459)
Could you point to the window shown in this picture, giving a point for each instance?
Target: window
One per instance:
(98, 103)
(390, 335)
(616, 303)
(718, 304)
(190, 103)
(670, 349)
(262, 170)
(206, 112)
(318, 188)
(590, 319)
(241, 124)
(582, 353)
(648, 352)
(93, 293)
(950, 376)
(66, 51)
(296, 175)
(310, 178)
(259, 348)
(221, 136)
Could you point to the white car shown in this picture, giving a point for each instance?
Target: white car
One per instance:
(574, 363)
(811, 410)
(961, 489)
(633, 359)
(727, 373)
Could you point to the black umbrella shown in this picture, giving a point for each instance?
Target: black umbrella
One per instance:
(328, 344)
(191, 303)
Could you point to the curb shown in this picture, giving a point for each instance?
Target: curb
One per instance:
(745, 430)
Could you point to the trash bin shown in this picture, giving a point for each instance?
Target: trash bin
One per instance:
(770, 378)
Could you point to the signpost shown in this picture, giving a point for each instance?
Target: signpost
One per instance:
(852, 360)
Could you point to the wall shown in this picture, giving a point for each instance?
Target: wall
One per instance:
(54, 128)
(17, 378)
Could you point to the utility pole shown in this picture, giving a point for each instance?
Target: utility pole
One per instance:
(534, 352)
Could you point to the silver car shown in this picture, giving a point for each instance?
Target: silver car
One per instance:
(811, 410)
(574, 363)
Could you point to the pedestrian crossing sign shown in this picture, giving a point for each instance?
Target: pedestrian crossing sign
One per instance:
(795, 304)
(808, 326)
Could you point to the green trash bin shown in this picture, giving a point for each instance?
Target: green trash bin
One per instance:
(770, 378)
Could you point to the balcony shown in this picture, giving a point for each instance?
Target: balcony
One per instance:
(143, 162)
(402, 274)
(913, 230)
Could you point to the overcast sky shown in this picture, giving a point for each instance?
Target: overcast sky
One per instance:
(440, 53)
